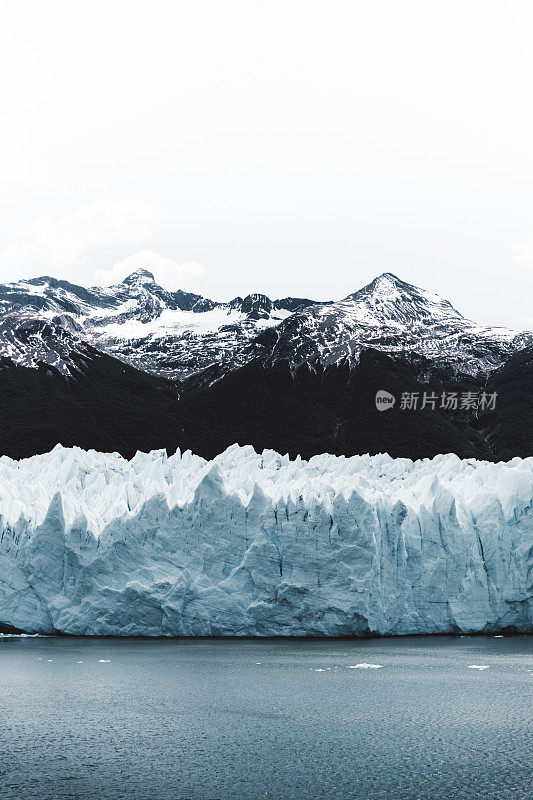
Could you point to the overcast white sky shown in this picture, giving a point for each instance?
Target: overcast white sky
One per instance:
(283, 147)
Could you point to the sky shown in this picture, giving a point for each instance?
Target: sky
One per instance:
(290, 148)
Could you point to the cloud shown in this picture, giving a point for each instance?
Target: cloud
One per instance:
(58, 245)
(524, 252)
(57, 242)
(167, 272)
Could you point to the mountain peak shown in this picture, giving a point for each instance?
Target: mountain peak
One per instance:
(388, 277)
(387, 281)
(388, 298)
(140, 275)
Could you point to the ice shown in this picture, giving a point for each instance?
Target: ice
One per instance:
(478, 666)
(255, 544)
(366, 666)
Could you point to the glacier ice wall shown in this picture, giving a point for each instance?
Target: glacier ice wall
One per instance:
(256, 544)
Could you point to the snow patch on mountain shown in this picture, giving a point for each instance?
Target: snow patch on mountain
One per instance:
(257, 544)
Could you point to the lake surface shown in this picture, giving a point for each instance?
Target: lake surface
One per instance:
(243, 720)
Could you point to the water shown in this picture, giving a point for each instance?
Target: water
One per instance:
(244, 720)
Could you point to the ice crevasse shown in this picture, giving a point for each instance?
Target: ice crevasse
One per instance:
(255, 544)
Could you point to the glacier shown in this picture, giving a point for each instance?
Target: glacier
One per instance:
(254, 544)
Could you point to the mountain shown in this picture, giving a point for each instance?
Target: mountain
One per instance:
(509, 432)
(178, 334)
(392, 316)
(171, 334)
(101, 404)
(107, 405)
(308, 410)
(135, 367)
(258, 545)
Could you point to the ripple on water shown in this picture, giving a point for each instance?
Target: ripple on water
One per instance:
(409, 718)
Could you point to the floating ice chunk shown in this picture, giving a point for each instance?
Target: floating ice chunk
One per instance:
(104, 660)
(320, 670)
(363, 665)
(478, 666)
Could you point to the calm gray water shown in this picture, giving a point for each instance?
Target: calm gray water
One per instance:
(243, 720)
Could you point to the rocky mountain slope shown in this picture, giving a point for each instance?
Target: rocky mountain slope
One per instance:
(108, 406)
(395, 317)
(308, 410)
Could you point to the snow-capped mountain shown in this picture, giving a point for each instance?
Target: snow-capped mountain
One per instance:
(395, 317)
(178, 334)
(167, 333)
